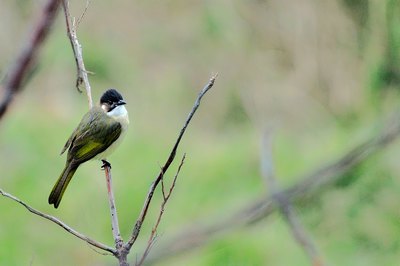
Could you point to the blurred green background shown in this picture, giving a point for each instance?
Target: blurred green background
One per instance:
(321, 73)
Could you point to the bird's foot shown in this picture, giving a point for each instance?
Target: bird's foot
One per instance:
(105, 164)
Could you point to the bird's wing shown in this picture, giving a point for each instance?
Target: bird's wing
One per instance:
(83, 126)
(94, 134)
(68, 143)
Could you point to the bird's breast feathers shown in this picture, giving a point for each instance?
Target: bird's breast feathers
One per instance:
(120, 114)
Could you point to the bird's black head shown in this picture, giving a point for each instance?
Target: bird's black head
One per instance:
(111, 99)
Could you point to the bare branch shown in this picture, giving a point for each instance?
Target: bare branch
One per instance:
(83, 14)
(113, 210)
(60, 223)
(175, 177)
(310, 185)
(163, 187)
(99, 252)
(24, 62)
(286, 208)
(300, 234)
(153, 235)
(142, 216)
(162, 183)
(82, 73)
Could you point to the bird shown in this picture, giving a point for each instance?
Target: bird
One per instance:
(98, 134)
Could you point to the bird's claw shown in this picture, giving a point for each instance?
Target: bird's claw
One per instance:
(105, 164)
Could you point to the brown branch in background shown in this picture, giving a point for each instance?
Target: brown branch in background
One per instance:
(286, 208)
(113, 210)
(254, 211)
(142, 216)
(166, 197)
(60, 223)
(82, 73)
(18, 73)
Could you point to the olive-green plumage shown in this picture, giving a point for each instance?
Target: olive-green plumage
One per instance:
(96, 132)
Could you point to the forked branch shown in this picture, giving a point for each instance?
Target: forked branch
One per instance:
(82, 73)
(166, 197)
(286, 208)
(142, 216)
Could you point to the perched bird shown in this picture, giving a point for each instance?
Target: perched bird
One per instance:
(97, 135)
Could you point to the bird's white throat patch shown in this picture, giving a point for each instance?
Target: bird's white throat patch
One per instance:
(119, 111)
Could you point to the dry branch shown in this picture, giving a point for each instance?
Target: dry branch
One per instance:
(121, 250)
(60, 223)
(142, 216)
(113, 210)
(13, 84)
(298, 231)
(82, 73)
(254, 211)
(166, 197)
(24, 62)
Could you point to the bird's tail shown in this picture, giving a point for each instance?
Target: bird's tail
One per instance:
(61, 184)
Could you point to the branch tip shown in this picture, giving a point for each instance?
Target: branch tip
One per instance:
(82, 73)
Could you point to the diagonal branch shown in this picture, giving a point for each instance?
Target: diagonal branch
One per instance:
(142, 216)
(24, 62)
(82, 73)
(285, 206)
(300, 234)
(60, 223)
(83, 15)
(254, 211)
(153, 235)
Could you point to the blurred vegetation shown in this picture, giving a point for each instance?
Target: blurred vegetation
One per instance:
(322, 73)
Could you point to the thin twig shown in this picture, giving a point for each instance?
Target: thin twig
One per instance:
(83, 14)
(60, 223)
(153, 235)
(113, 209)
(163, 187)
(162, 183)
(82, 73)
(297, 229)
(24, 62)
(142, 216)
(101, 253)
(310, 185)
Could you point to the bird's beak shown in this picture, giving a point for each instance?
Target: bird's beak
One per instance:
(121, 102)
